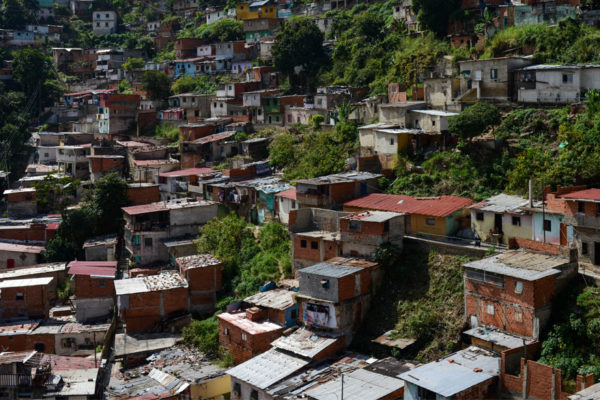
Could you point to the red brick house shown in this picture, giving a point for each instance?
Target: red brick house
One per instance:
(152, 303)
(26, 298)
(203, 274)
(94, 288)
(245, 334)
(512, 291)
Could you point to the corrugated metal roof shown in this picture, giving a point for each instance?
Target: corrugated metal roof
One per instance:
(152, 283)
(96, 268)
(145, 208)
(373, 216)
(267, 368)
(498, 337)
(438, 113)
(305, 342)
(187, 172)
(523, 264)
(441, 206)
(25, 282)
(215, 138)
(351, 176)
(32, 270)
(592, 195)
(330, 270)
(21, 248)
(358, 385)
(288, 194)
(279, 299)
(455, 373)
(252, 327)
(501, 203)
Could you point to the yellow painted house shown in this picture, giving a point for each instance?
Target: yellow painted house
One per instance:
(211, 389)
(256, 9)
(502, 217)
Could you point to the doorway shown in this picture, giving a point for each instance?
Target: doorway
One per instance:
(498, 223)
(596, 253)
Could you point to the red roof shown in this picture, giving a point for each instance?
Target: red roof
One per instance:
(215, 138)
(188, 172)
(144, 208)
(66, 363)
(288, 194)
(98, 268)
(588, 194)
(52, 226)
(441, 206)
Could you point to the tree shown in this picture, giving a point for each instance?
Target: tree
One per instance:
(435, 15)
(198, 84)
(13, 130)
(35, 73)
(226, 30)
(156, 84)
(110, 194)
(316, 121)
(14, 14)
(55, 194)
(474, 120)
(131, 65)
(298, 51)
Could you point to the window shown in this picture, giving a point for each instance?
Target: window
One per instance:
(97, 15)
(518, 287)
(479, 216)
(106, 24)
(391, 142)
(227, 331)
(97, 24)
(489, 309)
(494, 73)
(303, 243)
(314, 245)
(580, 207)
(20, 296)
(547, 225)
(254, 395)
(567, 78)
(293, 203)
(147, 242)
(289, 118)
(237, 389)
(354, 226)
(433, 123)
(519, 316)
(430, 221)
(106, 15)
(584, 248)
(244, 337)
(102, 283)
(516, 221)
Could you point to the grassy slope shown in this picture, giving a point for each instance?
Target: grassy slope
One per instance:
(423, 296)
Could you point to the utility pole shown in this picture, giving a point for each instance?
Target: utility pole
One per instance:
(342, 386)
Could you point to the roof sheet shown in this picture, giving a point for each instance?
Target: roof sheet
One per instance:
(252, 327)
(438, 113)
(93, 268)
(267, 368)
(197, 261)
(358, 385)
(351, 176)
(455, 373)
(592, 195)
(155, 162)
(288, 194)
(187, 172)
(14, 283)
(373, 216)
(145, 208)
(501, 203)
(305, 342)
(152, 283)
(523, 264)
(32, 270)
(441, 206)
(215, 138)
(498, 337)
(279, 299)
(330, 270)
(142, 343)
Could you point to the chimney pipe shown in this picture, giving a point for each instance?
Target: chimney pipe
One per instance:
(530, 193)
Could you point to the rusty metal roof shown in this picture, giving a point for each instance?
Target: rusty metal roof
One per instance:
(440, 206)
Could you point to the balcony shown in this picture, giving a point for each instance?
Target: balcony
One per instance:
(583, 221)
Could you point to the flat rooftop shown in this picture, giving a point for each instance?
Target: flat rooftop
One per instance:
(522, 264)
(330, 270)
(197, 261)
(352, 176)
(252, 327)
(126, 344)
(455, 373)
(498, 337)
(373, 216)
(305, 342)
(152, 283)
(502, 203)
(279, 299)
(15, 283)
(32, 270)
(105, 269)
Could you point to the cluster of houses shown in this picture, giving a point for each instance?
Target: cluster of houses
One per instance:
(111, 323)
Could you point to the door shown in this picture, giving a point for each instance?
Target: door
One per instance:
(10, 263)
(474, 323)
(596, 253)
(563, 234)
(498, 223)
(363, 188)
